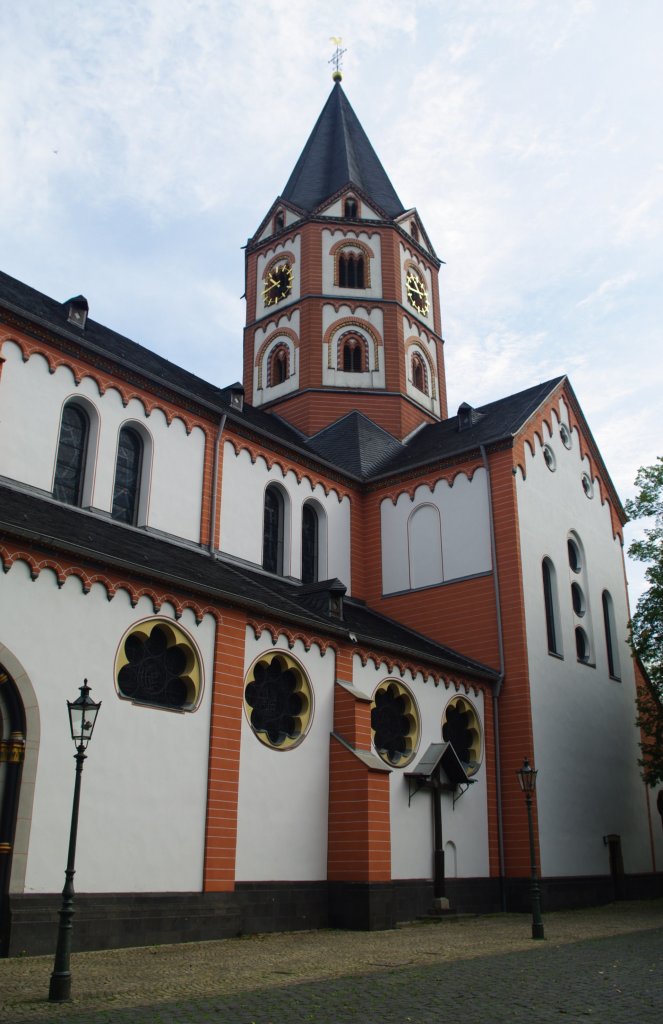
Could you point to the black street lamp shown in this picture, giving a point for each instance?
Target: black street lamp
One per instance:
(527, 779)
(82, 716)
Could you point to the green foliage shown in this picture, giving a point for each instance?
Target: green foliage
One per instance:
(647, 621)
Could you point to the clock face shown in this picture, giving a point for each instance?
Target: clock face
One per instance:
(278, 284)
(416, 292)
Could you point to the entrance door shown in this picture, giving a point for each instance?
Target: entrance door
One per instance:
(12, 753)
(614, 844)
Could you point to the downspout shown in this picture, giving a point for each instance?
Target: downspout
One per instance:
(215, 481)
(498, 686)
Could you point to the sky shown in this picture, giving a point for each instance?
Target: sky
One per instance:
(143, 142)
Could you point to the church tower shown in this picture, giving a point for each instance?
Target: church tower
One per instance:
(343, 309)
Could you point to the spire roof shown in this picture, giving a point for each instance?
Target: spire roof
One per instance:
(338, 153)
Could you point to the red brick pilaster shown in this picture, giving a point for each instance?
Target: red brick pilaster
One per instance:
(223, 772)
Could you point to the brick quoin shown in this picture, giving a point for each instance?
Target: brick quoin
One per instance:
(516, 736)
(225, 735)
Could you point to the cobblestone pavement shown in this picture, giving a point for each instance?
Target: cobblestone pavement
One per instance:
(604, 964)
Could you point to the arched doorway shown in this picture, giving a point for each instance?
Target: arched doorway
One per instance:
(12, 755)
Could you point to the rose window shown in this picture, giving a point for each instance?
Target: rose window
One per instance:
(158, 664)
(395, 723)
(278, 701)
(462, 729)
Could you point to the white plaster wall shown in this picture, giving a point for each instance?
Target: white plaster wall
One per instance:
(657, 827)
(29, 433)
(463, 507)
(242, 505)
(293, 248)
(373, 268)
(466, 824)
(586, 744)
(284, 794)
(142, 815)
(372, 378)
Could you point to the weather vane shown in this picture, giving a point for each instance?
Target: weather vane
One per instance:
(336, 57)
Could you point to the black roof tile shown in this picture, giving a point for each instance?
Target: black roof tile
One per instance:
(356, 444)
(497, 421)
(96, 539)
(338, 153)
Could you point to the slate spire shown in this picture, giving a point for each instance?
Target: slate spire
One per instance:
(338, 153)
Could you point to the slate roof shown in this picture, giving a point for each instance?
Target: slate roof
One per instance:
(497, 421)
(356, 444)
(99, 540)
(338, 153)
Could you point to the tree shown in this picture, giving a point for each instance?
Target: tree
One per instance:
(647, 622)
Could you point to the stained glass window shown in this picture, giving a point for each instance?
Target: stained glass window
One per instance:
(278, 701)
(127, 476)
(310, 543)
(272, 545)
(157, 664)
(72, 448)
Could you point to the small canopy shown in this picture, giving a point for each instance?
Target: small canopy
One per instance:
(441, 755)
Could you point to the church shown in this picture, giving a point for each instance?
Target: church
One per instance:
(327, 618)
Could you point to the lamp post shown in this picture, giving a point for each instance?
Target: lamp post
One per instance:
(527, 779)
(82, 715)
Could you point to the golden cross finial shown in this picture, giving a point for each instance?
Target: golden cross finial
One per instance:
(336, 58)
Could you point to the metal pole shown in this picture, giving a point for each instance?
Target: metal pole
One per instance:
(438, 852)
(537, 921)
(60, 987)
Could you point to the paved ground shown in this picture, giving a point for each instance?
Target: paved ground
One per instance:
(604, 964)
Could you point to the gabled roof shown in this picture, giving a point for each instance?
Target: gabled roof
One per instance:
(356, 444)
(338, 153)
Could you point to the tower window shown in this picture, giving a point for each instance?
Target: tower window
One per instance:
(278, 369)
(414, 230)
(72, 451)
(419, 374)
(353, 359)
(351, 273)
(126, 490)
(310, 544)
(273, 531)
(350, 208)
(279, 220)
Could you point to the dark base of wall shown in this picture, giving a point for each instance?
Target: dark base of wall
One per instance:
(105, 921)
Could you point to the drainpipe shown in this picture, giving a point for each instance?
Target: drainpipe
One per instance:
(215, 481)
(500, 680)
